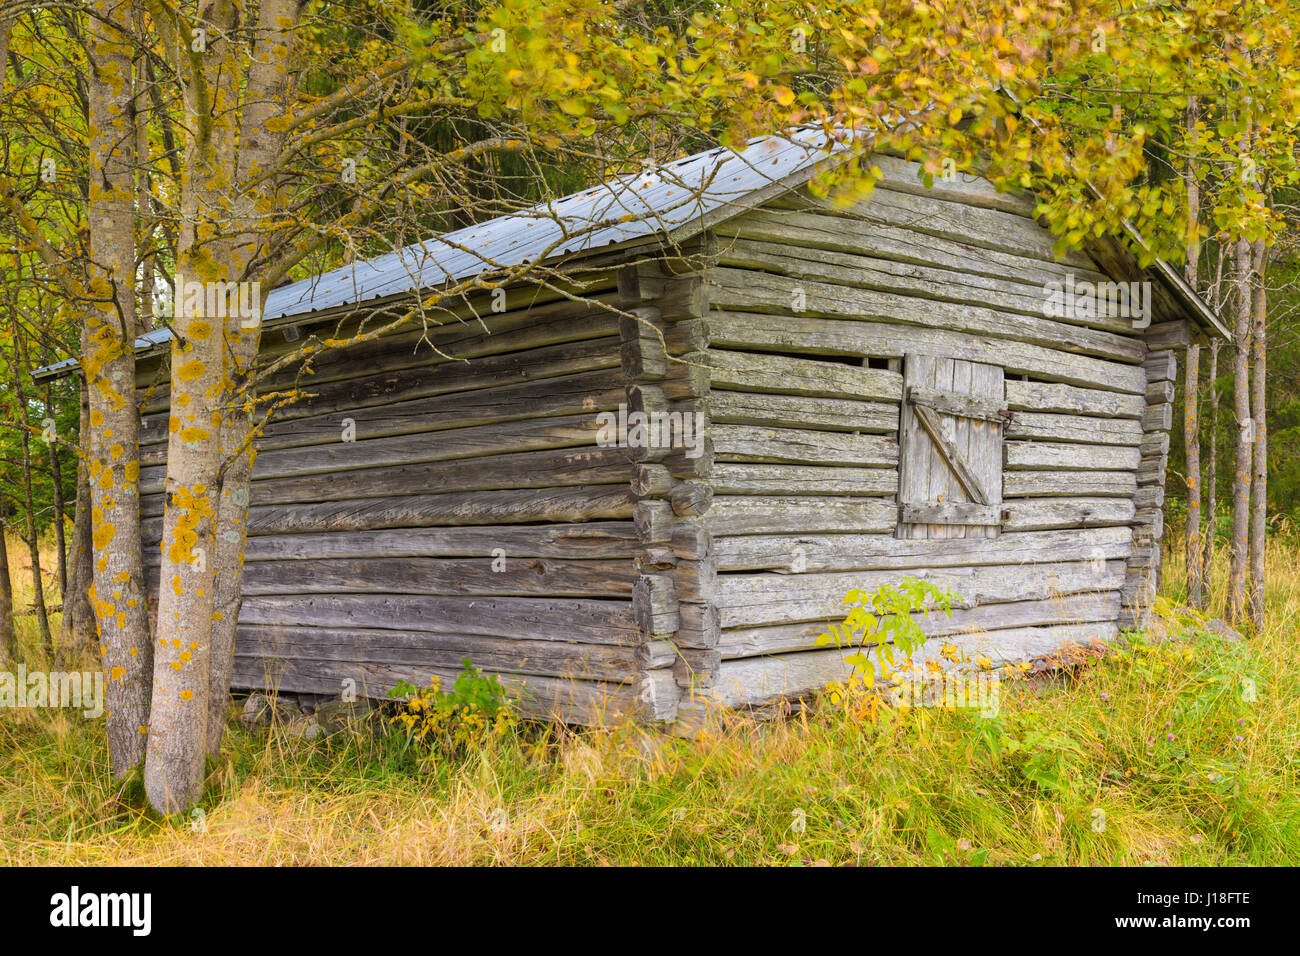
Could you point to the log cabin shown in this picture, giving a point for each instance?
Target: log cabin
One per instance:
(642, 487)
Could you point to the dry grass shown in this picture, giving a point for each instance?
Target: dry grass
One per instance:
(928, 786)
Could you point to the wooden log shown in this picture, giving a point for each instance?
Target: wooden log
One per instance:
(752, 291)
(757, 681)
(1145, 556)
(756, 372)
(487, 334)
(447, 651)
(683, 338)
(1161, 366)
(902, 278)
(596, 703)
(692, 462)
(683, 297)
(560, 380)
(539, 469)
(411, 511)
(796, 411)
(1040, 514)
(659, 697)
(452, 445)
(1151, 471)
(1166, 335)
(587, 540)
(585, 620)
(643, 351)
(1054, 397)
(654, 521)
(1140, 587)
(951, 221)
(1154, 445)
(695, 582)
(1074, 428)
(687, 378)
(1049, 484)
(1149, 496)
(701, 625)
(488, 574)
(649, 401)
(1061, 456)
(1158, 418)
(637, 284)
(746, 479)
(792, 638)
(657, 557)
(751, 599)
(691, 540)
(696, 667)
(832, 232)
(797, 553)
(654, 605)
(691, 498)
(903, 176)
(754, 443)
(1160, 392)
(740, 514)
(651, 481)
(562, 396)
(1148, 525)
(851, 338)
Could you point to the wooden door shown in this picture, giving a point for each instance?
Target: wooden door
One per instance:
(950, 433)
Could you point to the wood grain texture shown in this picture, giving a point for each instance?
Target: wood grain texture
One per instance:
(806, 334)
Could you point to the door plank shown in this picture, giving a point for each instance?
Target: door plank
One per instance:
(951, 456)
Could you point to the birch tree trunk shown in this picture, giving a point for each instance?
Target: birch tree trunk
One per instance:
(1192, 387)
(60, 507)
(77, 634)
(177, 728)
(108, 361)
(18, 369)
(231, 97)
(1245, 428)
(8, 633)
(1212, 475)
(267, 99)
(1259, 413)
(1192, 449)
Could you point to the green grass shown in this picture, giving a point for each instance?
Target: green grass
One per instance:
(1077, 769)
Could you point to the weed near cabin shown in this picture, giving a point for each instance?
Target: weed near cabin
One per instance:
(473, 715)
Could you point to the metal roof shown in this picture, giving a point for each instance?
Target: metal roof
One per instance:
(660, 200)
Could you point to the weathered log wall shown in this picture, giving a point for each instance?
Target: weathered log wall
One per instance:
(418, 505)
(809, 313)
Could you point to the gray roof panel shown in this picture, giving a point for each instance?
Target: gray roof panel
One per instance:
(662, 200)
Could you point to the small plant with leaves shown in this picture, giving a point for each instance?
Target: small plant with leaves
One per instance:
(475, 712)
(882, 619)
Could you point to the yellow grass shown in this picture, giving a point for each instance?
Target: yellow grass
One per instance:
(1075, 770)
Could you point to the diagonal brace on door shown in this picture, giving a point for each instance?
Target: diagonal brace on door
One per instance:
(952, 458)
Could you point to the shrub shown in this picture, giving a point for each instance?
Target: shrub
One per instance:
(882, 618)
(473, 713)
